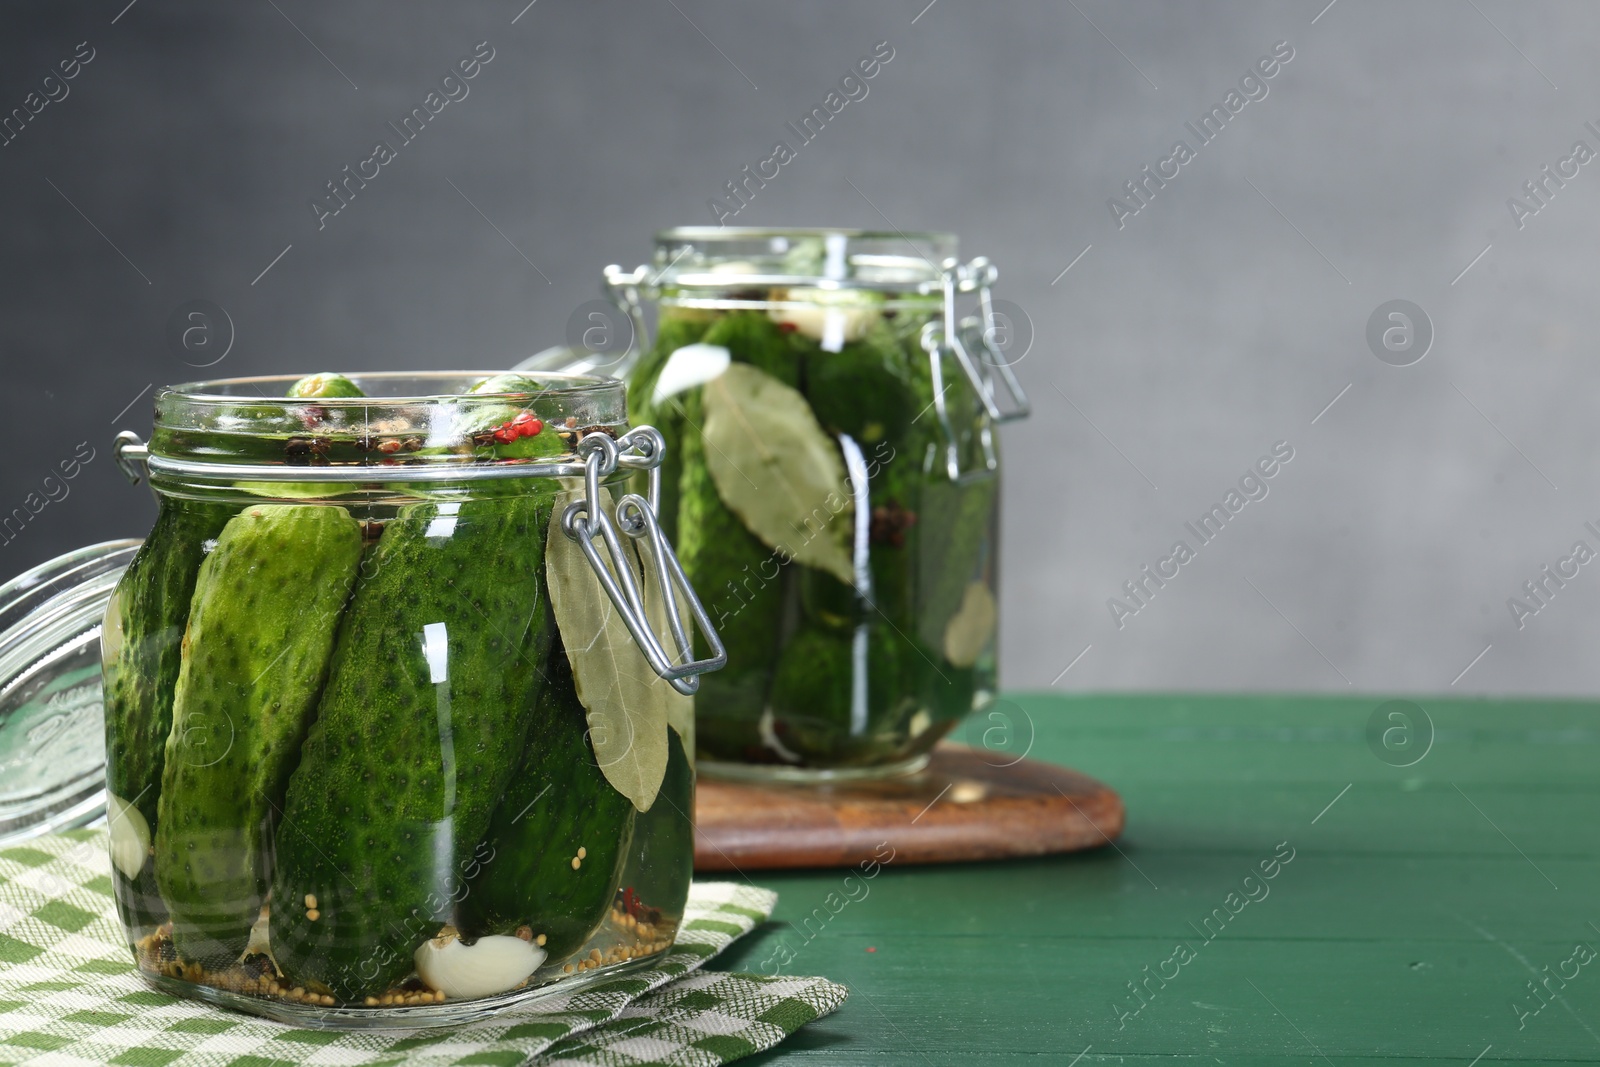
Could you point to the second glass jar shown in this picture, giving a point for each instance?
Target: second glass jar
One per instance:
(833, 486)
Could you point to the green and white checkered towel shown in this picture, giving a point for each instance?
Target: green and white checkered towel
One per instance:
(69, 994)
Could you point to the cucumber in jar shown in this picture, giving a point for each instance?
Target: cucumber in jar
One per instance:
(553, 854)
(424, 719)
(265, 610)
(143, 635)
(863, 389)
(867, 391)
(326, 385)
(754, 338)
(840, 696)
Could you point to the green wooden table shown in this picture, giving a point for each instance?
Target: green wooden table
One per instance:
(1419, 905)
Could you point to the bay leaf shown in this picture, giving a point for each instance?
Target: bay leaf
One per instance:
(971, 628)
(777, 469)
(624, 700)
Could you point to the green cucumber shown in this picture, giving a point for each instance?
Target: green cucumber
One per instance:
(751, 337)
(956, 545)
(861, 390)
(420, 729)
(326, 385)
(814, 694)
(954, 541)
(559, 802)
(266, 607)
(946, 692)
(143, 636)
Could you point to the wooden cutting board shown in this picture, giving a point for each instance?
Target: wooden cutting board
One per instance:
(967, 805)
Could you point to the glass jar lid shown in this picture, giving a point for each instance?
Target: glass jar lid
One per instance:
(52, 741)
(721, 257)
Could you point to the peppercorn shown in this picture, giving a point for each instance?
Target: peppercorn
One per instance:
(890, 523)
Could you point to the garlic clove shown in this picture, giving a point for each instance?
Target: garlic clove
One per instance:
(735, 266)
(972, 627)
(688, 367)
(130, 836)
(260, 934)
(493, 964)
(828, 317)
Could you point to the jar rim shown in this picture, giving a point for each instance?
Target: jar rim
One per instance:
(207, 390)
(420, 426)
(738, 233)
(723, 257)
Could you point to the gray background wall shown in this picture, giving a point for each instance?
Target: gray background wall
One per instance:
(1222, 318)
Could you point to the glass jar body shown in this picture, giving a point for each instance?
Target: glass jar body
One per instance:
(857, 602)
(350, 779)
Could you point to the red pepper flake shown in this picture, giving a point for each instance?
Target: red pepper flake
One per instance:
(389, 447)
(525, 424)
(871, 949)
(787, 327)
(637, 908)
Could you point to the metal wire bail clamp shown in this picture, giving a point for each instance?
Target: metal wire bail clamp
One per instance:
(953, 337)
(584, 520)
(982, 275)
